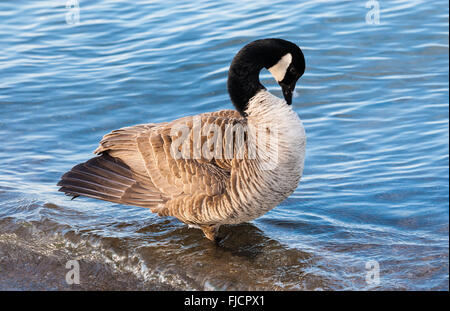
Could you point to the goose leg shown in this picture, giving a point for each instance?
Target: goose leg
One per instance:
(210, 232)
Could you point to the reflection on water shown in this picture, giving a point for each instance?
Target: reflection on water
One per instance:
(373, 100)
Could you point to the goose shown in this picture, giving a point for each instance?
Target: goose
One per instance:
(151, 166)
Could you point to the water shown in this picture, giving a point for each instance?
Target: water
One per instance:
(374, 102)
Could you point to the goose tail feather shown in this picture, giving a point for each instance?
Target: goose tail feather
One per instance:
(107, 178)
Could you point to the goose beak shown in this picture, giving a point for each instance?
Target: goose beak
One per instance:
(287, 92)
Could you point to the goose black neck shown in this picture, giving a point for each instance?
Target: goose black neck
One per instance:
(243, 83)
(243, 77)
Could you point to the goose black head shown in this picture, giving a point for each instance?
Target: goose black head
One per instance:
(283, 59)
(289, 68)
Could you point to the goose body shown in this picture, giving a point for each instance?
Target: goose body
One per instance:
(215, 168)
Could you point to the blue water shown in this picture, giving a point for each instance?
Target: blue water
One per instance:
(373, 100)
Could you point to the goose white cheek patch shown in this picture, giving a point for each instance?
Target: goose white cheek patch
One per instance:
(278, 70)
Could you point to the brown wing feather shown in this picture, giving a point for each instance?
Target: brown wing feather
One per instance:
(137, 168)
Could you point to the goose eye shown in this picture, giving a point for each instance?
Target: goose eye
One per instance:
(292, 70)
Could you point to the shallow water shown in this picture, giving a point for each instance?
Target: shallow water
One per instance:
(374, 102)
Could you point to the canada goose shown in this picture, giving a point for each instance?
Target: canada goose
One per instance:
(149, 165)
